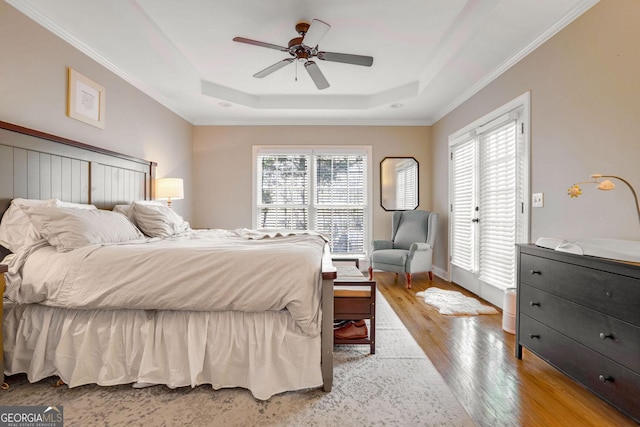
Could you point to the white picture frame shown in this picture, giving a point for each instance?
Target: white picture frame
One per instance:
(85, 99)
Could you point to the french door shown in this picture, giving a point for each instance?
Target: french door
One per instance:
(488, 193)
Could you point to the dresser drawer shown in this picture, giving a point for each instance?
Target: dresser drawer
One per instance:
(605, 334)
(611, 293)
(611, 381)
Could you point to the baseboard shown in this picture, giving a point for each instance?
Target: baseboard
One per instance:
(443, 274)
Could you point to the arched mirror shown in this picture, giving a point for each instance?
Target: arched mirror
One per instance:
(399, 183)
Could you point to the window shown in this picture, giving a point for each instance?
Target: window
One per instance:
(488, 194)
(322, 189)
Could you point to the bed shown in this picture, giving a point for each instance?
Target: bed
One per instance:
(229, 308)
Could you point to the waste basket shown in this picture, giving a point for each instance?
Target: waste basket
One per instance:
(509, 311)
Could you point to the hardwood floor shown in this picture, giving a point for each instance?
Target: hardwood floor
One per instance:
(476, 359)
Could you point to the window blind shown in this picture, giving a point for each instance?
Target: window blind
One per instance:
(498, 200)
(284, 191)
(340, 201)
(462, 205)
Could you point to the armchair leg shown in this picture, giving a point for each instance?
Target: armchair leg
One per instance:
(370, 273)
(408, 280)
(430, 276)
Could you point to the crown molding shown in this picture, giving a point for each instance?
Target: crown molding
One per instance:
(505, 66)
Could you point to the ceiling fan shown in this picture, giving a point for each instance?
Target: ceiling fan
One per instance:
(305, 48)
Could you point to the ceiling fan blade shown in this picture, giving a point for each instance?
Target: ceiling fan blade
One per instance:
(316, 75)
(346, 58)
(262, 44)
(315, 33)
(272, 68)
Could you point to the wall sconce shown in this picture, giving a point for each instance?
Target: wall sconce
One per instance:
(169, 188)
(606, 185)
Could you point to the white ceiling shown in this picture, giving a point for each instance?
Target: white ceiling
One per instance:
(429, 55)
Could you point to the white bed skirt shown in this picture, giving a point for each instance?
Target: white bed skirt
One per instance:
(261, 352)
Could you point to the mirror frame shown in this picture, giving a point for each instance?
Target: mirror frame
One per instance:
(417, 182)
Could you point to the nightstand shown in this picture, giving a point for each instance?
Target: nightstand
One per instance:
(3, 269)
(354, 298)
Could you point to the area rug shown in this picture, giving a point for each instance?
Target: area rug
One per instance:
(398, 386)
(454, 303)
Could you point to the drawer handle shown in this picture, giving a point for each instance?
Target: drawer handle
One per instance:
(538, 272)
(604, 336)
(534, 304)
(532, 336)
(607, 379)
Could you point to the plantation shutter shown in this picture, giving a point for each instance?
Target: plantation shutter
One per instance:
(340, 202)
(462, 204)
(283, 198)
(498, 193)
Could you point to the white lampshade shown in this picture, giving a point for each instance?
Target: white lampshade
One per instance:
(169, 188)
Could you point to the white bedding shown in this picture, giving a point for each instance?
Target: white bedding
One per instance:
(201, 270)
(262, 352)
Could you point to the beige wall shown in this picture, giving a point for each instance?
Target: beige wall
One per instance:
(585, 117)
(33, 91)
(223, 168)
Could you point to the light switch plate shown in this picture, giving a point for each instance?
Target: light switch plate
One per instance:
(537, 200)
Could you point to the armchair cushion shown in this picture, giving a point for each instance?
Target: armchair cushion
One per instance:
(390, 259)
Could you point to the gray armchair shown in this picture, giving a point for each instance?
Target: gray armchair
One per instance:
(410, 249)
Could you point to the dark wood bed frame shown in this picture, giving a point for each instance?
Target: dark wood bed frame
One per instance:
(38, 165)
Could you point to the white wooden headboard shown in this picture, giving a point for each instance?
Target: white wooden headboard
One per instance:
(37, 165)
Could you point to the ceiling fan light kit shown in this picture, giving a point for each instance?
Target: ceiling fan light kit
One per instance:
(305, 48)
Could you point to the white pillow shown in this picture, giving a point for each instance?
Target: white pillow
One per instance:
(61, 204)
(127, 210)
(124, 210)
(71, 228)
(158, 220)
(16, 230)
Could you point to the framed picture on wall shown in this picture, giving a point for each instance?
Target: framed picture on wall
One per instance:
(85, 99)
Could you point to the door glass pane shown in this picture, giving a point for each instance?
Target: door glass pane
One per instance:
(462, 205)
(498, 197)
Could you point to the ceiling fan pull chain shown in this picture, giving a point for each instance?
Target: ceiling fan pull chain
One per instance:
(296, 79)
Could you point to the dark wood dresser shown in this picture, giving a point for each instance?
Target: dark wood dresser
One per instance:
(581, 314)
